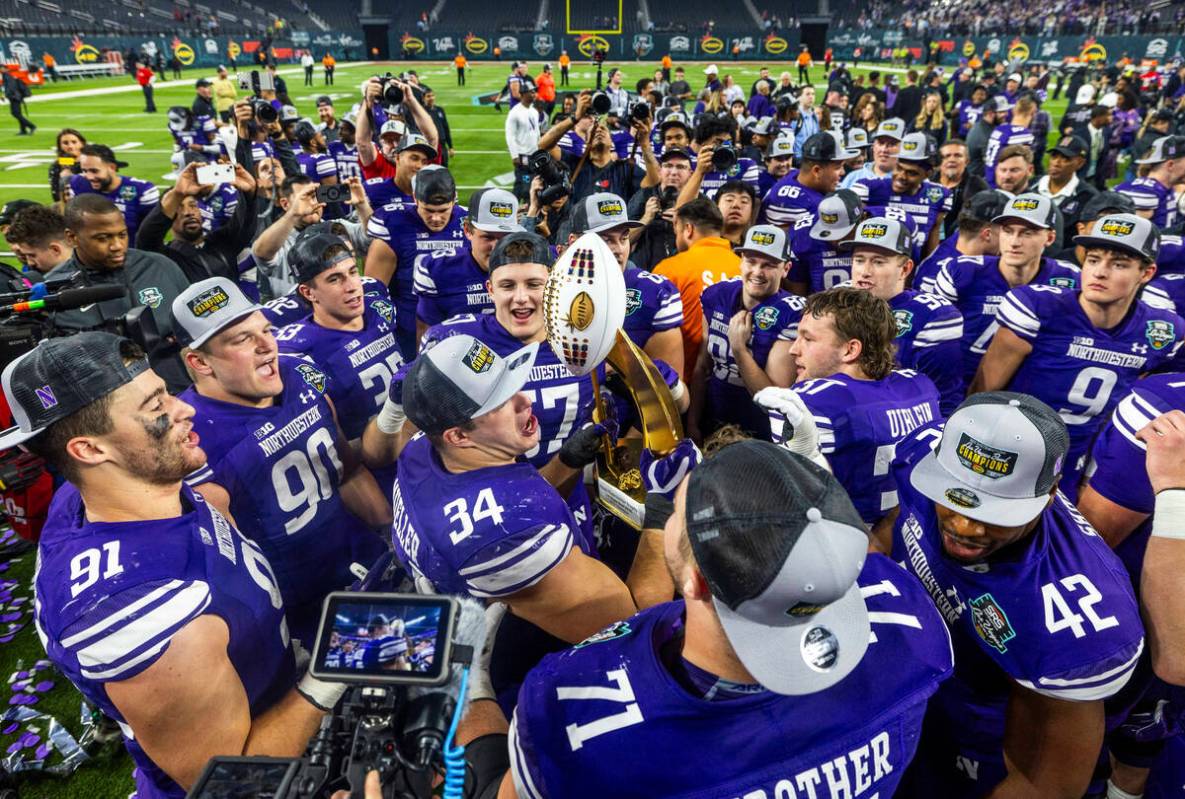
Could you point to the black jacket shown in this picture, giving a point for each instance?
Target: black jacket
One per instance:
(217, 256)
(203, 107)
(971, 185)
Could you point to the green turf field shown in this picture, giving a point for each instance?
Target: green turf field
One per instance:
(117, 119)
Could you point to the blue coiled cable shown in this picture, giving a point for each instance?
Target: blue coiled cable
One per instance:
(454, 756)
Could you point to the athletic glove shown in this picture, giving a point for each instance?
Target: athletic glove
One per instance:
(660, 478)
(804, 436)
(582, 447)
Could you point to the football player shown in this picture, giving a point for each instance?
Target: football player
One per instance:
(816, 262)
(403, 235)
(1079, 350)
(654, 309)
(750, 322)
(349, 336)
(471, 516)
(144, 590)
(1154, 195)
(929, 328)
(1043, 617)
(975, 235)
(452, 282)
(1006, 134)
(700, 675)
(799, 193)
(277, 458)
(977, 284)
(861, 406)
(908, 190)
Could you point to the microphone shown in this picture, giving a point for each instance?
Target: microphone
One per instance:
(66, 300)
(431, 709)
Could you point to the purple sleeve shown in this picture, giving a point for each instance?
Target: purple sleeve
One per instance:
(1118, 460)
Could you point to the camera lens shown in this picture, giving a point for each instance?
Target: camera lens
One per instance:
(392, 94)
(640, 112)
(265, 112)
(601, 103)
(724, 158)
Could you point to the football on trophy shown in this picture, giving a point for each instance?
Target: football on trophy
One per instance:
(584, 304)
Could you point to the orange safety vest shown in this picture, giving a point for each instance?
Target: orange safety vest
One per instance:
(460, 62)
(666, 62)
(804, 59)
(565, 60)
(328, 61)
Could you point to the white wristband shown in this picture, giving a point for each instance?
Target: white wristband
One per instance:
(391, 418)
(1168, 520)
(323, 695)
(678, 390)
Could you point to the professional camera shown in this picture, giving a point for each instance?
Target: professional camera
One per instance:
(601, 103)
(554, 177)
(402, 655)
(25, 315)
(724, 157)
(666, 199)
(640, 111)
(391, 93)
(264, 111)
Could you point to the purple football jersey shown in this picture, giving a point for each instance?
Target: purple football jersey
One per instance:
(282, 469)
(487, 533)
(815, 261)
(291, 308)
(1149, 194)
(1171, 260)
(562, 402)
(976, 287)
(652, 305)
(929, 330)
(1117, 469)
(788, 201)
(745, 169)
(201, 134)
(407, 235)
(359, 363)
(382, 192)
(923, 207)
(860, 423)
(774, 319)
(1055, 614)
(317, 166)
(218, 206)
(590, 719)
(927, 271)
(1077, 369)
(1004, 135)
(134, 198)
(966, 115)
(345, 158)
(450, 283)
(132, 586)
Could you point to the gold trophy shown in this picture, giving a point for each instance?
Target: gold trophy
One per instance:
(584, 308)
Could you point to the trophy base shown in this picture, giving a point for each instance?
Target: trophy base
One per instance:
(619, 483)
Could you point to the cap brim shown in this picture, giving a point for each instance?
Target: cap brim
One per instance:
(15, 435)
(851, 244)
(1002, 218)
(1069, 153)
(422, 148)
(777, 657)
(611, 225)
(755, 251)
(497, 227)
(511, 381)
(1152, 160)
(824, 232)
(933, 481)
(209, 334)
(1111, 244)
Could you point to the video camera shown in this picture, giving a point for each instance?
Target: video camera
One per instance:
(397, 652)
(25, 315)
(556, 183)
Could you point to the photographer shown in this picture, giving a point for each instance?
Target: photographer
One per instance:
(298, 198)
(655, 208)
(38, 238)
(136, 601)
(548, 219)
(69, 146)
(382, 165)
(715, 143)
(598, 169)
(99, 235)
(200, 255)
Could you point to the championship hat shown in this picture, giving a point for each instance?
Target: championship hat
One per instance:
(767, 240)
(460, 379)
(207, 307)
(1126, 232)
(1166, 148)
(493, 211)
(838, 213)
(599, 212)
(781, 547)
(1032, 209)
(892, 128)
(999, 457)
(882, 233)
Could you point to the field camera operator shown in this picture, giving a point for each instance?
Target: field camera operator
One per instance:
(378, 96)
(102, 257)
(149, 600)
(598, 169)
